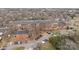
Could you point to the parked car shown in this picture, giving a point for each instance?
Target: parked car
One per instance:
(18, 42)
(45, 40)
(49, 32)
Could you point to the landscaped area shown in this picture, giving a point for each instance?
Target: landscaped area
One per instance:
(19, 48)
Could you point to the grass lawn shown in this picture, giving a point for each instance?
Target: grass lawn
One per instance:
(46, 46)
(19, 48)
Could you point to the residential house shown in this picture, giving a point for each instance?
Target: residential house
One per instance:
(21, 36)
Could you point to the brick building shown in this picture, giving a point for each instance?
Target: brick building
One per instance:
(21, 36)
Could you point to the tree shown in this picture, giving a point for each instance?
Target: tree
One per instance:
(55, 41)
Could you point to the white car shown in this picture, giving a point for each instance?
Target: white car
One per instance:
(45, 40)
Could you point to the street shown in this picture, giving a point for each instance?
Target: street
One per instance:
(31, 44)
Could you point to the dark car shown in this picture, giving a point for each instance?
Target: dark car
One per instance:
(45, 40)
(49, 32)
(18, 43)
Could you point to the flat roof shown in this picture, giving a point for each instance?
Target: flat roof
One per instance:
(20, 32)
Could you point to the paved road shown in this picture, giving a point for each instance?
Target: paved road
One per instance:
(33, 21)
(31, 44)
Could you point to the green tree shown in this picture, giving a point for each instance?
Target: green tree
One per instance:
(55, 41)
